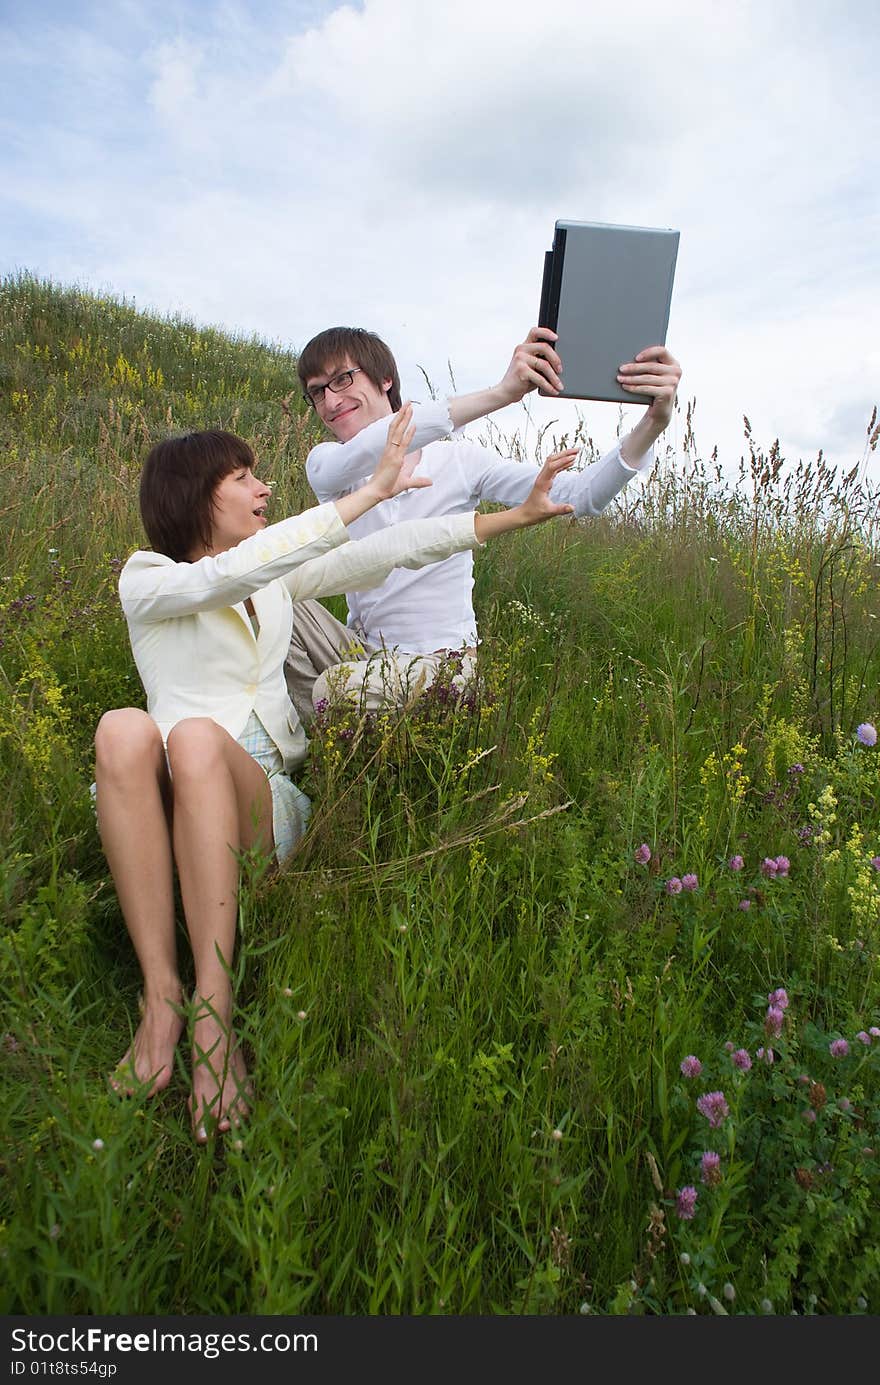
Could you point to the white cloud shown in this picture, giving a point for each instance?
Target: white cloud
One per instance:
(281, 168)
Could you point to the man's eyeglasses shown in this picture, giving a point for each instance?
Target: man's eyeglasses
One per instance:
(338, 385)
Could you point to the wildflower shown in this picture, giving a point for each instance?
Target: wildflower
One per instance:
(642, 854)
(557, 1134)
(729, 1292)
(98, 1144)
(287, 991)
(803, 1178)
(674, 886)
(844, 1103)
(818, 1095)
(685, 1258)
(689, 882)
(714, 1107)
(809, 1115)
(736, 863)
(863, 1037)
(861, 1303)
(690, 1066)
(783, 866)
(728, 1046)
(686, 1203)
(710, 1168)
(875, 862)
(741, 1059)
(773, 1022)
(874, 1032)
(766, 1055)
(745, 904)
(769, 867)
(838, 1048)
(766, 1305)
(866, 733)
(300, 1014)
(796, 769)
(779, 998)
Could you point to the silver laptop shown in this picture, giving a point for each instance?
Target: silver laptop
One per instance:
(607, 291)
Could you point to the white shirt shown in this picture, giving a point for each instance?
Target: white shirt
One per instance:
(432, 609)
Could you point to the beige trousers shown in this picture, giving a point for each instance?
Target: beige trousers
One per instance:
(326, 663)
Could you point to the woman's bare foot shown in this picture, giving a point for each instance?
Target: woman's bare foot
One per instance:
(148, 1062)
(221, 1089)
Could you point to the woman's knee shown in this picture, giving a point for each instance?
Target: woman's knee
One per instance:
(195, 745)
(126, 740)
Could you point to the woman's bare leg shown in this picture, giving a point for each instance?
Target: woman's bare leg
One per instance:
(222, 806)
(133, 798)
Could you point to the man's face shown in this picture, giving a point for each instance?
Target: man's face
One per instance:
(348, 408)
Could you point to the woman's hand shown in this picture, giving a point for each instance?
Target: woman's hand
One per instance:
(537, 506)
(393, 473)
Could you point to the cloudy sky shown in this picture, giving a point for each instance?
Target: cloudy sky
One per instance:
(276, 168)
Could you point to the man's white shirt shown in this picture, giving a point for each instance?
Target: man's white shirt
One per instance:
(432, 608)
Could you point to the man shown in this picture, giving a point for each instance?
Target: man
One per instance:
(399, 633)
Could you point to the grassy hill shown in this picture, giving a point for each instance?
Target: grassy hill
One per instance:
(467, 1003)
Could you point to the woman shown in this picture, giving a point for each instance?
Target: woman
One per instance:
(203, 774)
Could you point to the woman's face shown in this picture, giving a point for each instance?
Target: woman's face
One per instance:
(239, 508)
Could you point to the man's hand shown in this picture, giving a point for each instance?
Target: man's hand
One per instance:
(656, 372)
(534, 364)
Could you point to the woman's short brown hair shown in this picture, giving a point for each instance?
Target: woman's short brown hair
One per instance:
(178, 482)
(329, 350)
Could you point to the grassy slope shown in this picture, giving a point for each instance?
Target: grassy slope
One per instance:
(496, 997)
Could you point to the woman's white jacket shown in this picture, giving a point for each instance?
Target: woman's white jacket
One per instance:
(193, 642)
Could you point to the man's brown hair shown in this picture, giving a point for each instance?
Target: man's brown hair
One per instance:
(328, 351)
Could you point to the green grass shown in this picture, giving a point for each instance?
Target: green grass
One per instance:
(464, 1004)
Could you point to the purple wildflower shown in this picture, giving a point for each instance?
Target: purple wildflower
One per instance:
(769, 867)
(796, 769)
(741, 1059)
(736, 863)
(838, 1048)
(875, 862)
(844, 1103)
(874, 1032)
(773, 1022)
(782, 866)
(642, 854)
(714, 1107)
(866, 733)
(686, 1203)
(710, 1168)
(690, 1066)
(689, 882)
(809, 1115)
(779, 998)
(674, 886)
(863, 1037)
(766, 1055)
